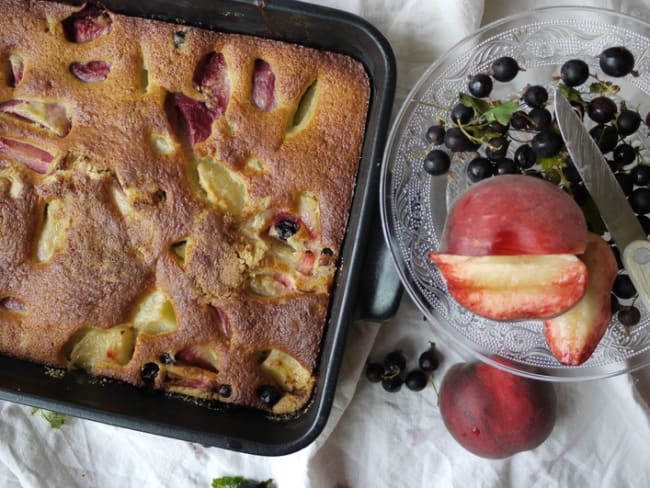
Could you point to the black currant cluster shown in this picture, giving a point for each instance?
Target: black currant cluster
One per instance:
(521, 136)
(392, 372)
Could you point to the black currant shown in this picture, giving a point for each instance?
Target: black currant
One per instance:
(505, 166)
(394, 361)
(480, 85)
(539, 119)
(601, 109)
(416, 380)
(505, 69)
(628, 122)
(645, 223)
(629, 315)
(535, 96)
(605, 136)
(269, 395)
(519, 120)
(149, 371)
(547, 144)
(625, 181)
(437, 162)
(462, 114)
(375, 372)
(571, 173)
(392, 384)
(479, 169)
(614, 304)
(624, 154)
(640, 200)
(225, 391)
(616, 61)
(428, 360)
(167, 358)
(574, 72)
(623, 287)
(435, 134)
(525, 156)
(497, 148)
(457, 141)
(497, 127)
(580, 194)
(641, 174)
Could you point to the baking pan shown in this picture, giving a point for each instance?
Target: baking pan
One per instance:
(365, 263)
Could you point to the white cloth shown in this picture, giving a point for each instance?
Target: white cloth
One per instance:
(372, 438)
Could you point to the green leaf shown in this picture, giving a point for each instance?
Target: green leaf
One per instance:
(479, 106)
(604, 88)
(547, 164)
(55, 419)
(240, 482)
(571, 94)
(502, 112)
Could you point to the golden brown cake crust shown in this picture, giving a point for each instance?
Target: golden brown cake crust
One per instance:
(209, 257)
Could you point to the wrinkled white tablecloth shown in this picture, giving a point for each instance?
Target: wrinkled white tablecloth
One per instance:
(372, 439)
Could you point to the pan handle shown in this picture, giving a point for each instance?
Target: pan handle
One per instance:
(380, 289)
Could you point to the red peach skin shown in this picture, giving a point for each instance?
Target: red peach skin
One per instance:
(212, 79)
(88, 24)
(511, 215)
(52, 116)
(573, 336)
(92, 71)
(263, 86)
(33, 157)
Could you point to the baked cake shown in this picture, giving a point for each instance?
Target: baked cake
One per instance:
(172, 201)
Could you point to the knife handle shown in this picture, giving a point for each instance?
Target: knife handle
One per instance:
(636, 259)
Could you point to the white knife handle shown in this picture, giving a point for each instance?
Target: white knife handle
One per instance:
(636, 259)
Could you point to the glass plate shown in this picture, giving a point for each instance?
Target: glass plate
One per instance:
(414, 204)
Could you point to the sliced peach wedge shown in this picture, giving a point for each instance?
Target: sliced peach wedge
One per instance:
(514, 287)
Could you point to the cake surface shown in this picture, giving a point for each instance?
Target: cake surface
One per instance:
(172, 201)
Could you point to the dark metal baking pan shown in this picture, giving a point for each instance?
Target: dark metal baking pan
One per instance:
(365, 264)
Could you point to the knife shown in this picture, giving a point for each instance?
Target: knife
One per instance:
(622, 223)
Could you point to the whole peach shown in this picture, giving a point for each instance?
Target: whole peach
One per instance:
(493, 413)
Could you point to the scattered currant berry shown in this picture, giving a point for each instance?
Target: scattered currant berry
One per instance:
(547, 144)
(435, 135)
(394, 362)
(505, 166)
(519, 120)
(498, 127)
(601, 109)
(628, 122)
(624, 154)
(641, 174)
(225, 391)
(535, 96)
(525, 156)
(392, 384)
(616, 61)
(416, 380)
(429, 360)
(571, 173)
(505, 69)
(629, 315)
(605, 136)
(479, 169)
(497, 147)
(644, 220)
(461, 114)
(640, 200)
(375, 372)
(457, 141)
(539, 119)
(574, 72)
(480, 85)
(148, 372)
(623, 287)
(625, 181)
(269, 395)
(437, 162)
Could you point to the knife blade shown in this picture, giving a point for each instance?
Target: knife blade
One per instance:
(615, 210)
